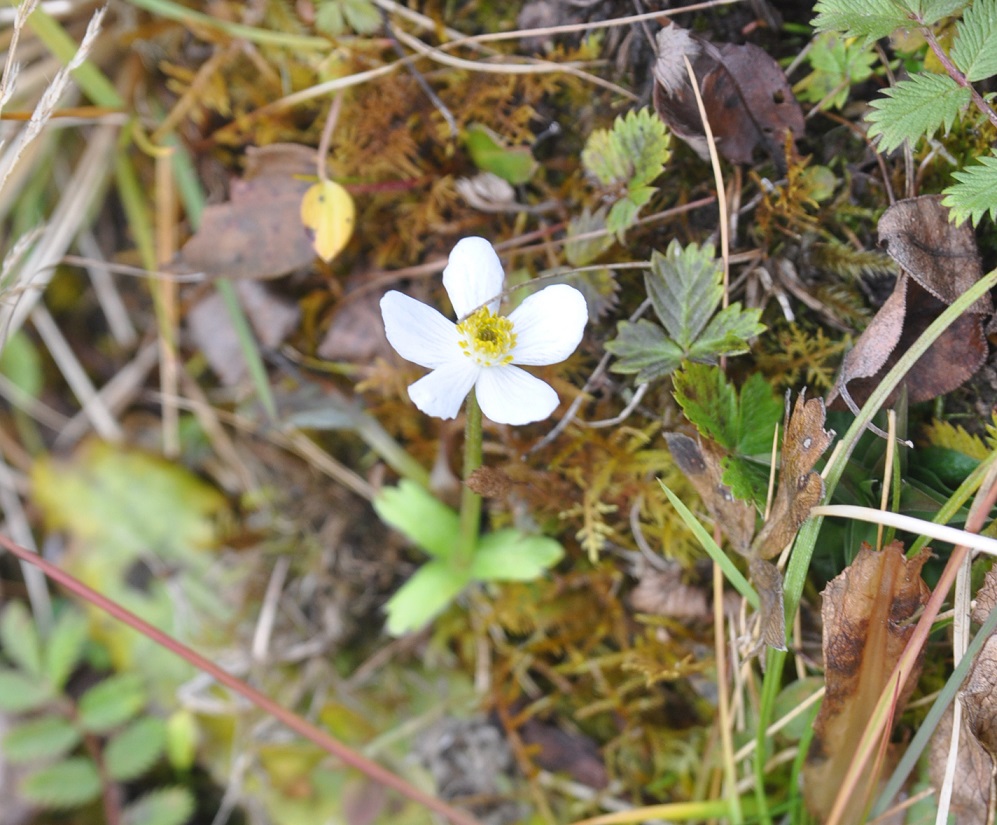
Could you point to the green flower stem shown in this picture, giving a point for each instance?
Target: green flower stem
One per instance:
(470, 501)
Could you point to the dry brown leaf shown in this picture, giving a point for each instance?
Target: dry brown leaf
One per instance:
(979, 697)
(771, 612)
(665, 593)
(748, 101)
(938, 262)
(971, 791)
(867, 613)
(258, 232)
(701, 462)
(800, 488)
(986, 597)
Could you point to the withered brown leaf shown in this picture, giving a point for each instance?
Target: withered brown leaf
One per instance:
(867, 614)
(258, 232)
(800, 487)
(701, 461)
(970, 800)
(748, 101)
(938, 263)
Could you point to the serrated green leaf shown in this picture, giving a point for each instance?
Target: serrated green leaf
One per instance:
(643, 348)
(975, 48)
(758, 412)
(975, 194)
(132, 751)
(421, 517)
(727, 334)
(45, 738)
(838, 64)
(931, 11)
(869, 19)
(510, 555)
(709, 401)
(915, 108)
(111, 702)
(432, 588)
(20, 692)
(621, 217)
(19, 638)
(580, 252)
(64, 647)
(747, 480)
(165, 806)
(685, 288)
(64, 785)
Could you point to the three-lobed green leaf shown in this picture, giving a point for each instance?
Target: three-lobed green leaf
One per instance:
(685, 287)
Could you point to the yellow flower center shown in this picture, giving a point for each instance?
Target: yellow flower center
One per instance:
(487, 338)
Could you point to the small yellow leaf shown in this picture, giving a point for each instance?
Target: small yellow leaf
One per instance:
(328, 215)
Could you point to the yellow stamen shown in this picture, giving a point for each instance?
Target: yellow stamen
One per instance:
(487, 338)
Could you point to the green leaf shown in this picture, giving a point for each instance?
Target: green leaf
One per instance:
(20, 693)
(625, 160)
(685, 288)
(931, 11)
(579, 252)
(975, 194)
(838, 63)
(111, 702)
(868, 19)
(21, 363)
(67, 784)
(975, 48)
(709, 401)
(165, 806)
(134, 750)
(64, 647)
(362, 15)
(420, 517)
(19, 638)
(727, 334)
(759, 411)
(429, 592)
(510, 555)
(491, 154)
(643, 348)
(181, 739)
(45, 738)
(915, 108)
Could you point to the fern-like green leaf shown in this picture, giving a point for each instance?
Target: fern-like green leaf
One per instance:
(975, 194)
(46, 737)
(67, 784)
(915, 108)
(166, 806)
(869, 19)
(975, 47)
(134, 750)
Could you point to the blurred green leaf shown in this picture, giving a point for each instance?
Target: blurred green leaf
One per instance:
(64, 785)
(43, 738)
(510, 555)
(181, 739)
(132, 751)
(20, 693)
(490, 154)
(430, 591)
(166, 806)
(111, 702)
(65, 645)
(19, 638)
(420, 517)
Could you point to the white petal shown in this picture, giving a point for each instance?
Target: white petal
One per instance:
(418, 332)
(548, 325)
(441, 393)
(473, 276)
(509, 395)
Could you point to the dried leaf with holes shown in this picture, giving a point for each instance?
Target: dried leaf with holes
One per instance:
(748, 101)
(258, 232)
(938, 263)
(867, 613)
(800, 488)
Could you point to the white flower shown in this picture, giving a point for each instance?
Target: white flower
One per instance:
(480, 350)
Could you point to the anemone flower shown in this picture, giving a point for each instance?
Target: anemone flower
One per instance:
(481, 349)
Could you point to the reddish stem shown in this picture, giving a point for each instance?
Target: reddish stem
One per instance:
(265, 703)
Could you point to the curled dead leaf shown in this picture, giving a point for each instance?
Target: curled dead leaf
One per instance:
(748, 101)
(867, 612)
(938, 263)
